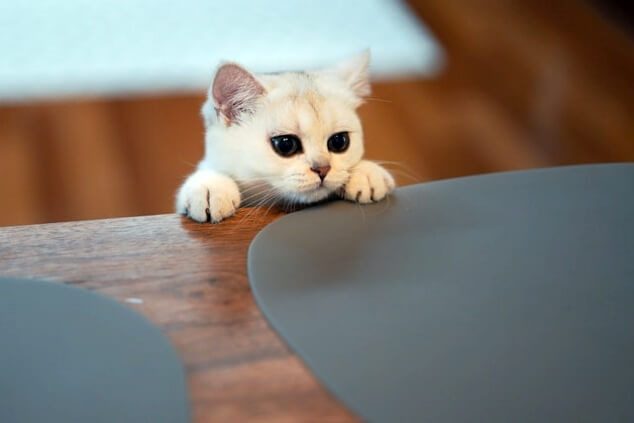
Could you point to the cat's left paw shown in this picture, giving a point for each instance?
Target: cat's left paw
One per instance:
(368, 183)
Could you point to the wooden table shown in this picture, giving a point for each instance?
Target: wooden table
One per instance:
(192, 281)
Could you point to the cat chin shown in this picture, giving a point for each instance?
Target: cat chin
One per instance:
(310, 197)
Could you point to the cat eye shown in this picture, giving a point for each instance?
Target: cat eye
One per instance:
(339, 142)
(286, 145)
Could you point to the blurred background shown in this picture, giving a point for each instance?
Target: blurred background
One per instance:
(99, 101)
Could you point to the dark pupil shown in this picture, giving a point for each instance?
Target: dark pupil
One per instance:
(339, 142)
(286, 145)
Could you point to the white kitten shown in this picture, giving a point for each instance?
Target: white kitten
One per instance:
(291, 138)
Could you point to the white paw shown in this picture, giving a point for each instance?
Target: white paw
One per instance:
(208, 196)
(368, 183)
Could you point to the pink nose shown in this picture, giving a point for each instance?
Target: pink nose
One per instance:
(322, 171)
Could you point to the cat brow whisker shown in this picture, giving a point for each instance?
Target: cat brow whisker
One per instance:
(188, 163)
(382, 100)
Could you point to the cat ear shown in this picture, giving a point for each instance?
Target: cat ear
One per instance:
(355, 73)
(234, 91)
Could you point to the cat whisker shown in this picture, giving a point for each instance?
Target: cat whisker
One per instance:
(268, 209)
(255, 192)
(394, 163)
(360, 207)
(266, 177)
(261, 202)
(386, 205)
(256, 188)
(382, 100)
(411, 177)
(257, 195)
(254, 215)
(401, 169)
(261, 186)
(255, 178)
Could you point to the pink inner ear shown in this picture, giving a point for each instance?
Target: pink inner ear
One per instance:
(234, 91)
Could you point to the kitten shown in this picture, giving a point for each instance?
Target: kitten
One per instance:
(292, 138)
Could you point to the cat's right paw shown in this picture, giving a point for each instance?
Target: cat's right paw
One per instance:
(208, 196)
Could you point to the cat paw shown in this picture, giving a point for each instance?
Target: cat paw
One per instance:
(208, 196)
(368, 183)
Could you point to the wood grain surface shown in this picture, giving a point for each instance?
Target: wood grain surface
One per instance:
(192, 280)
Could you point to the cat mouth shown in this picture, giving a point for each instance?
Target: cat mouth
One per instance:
(318, 187)
(308, 188)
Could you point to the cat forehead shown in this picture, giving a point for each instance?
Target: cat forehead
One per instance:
(310, 113)
(305, 103)
(285, 85)
(280, 87)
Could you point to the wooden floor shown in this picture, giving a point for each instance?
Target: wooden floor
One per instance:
(527, 84)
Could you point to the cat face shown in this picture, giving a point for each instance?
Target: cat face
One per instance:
(288, 136)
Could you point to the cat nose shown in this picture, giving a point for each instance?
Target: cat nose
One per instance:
(322, 171)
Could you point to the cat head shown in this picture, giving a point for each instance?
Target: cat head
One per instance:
(297, 133)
